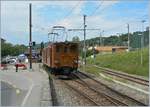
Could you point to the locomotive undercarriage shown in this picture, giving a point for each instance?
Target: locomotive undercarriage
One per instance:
(62, 70)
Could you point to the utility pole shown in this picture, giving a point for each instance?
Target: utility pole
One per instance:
(84, 18)
(128, 38)
(30, 33)
(83, 46)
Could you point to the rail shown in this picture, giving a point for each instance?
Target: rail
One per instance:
(114, 91)
(84, 95)
(109, 98)
(124, 76)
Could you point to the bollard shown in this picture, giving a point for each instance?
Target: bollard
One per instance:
(16, 67)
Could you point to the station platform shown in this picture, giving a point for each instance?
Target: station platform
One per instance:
(33, 83)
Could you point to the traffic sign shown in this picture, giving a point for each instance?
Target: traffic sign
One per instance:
(30, 43)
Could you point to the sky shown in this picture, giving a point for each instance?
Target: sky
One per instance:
(111, 17)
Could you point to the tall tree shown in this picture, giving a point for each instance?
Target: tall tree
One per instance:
(75, 39)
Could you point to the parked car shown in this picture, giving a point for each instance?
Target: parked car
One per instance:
(12, 61)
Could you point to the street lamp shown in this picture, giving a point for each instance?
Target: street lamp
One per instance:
(100, 44)
(141, 48)
(128, 38)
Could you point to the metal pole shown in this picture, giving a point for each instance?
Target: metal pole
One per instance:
(102, 42)
(100, 39)
(84, 39)
(93, 51)
(141, 52)
(30, 31)
(128, 38)
(142, 36)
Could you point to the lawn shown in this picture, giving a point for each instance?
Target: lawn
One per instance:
(129, 62)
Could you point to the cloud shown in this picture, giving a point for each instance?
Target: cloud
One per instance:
(78, 9)
(75, 20)
(15, 18)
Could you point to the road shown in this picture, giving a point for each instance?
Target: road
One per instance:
(25, 87)
(11, 96)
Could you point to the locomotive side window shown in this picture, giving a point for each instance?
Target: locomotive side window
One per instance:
(57, 49)
(65, 49)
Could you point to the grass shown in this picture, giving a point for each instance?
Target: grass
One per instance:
(129, 62)
(96, 71)
(90, 69)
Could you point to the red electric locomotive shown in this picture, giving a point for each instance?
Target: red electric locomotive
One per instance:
(61, 57)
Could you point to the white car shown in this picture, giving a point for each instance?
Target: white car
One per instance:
(12, 61)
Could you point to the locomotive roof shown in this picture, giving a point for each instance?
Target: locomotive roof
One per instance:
(64, 43)
(61, 43)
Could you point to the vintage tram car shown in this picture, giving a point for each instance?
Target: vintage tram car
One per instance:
(61, 57)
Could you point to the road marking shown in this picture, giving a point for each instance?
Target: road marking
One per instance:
(13, 83)
(14, 86)
(8, 83)
(130, 86)
(17, 91)
(28, 94)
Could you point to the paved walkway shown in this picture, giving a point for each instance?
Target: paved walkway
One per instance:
(35, 82)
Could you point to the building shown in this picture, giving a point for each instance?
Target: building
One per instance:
(111, 49)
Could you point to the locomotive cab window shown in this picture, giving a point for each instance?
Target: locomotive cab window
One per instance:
(73, 48)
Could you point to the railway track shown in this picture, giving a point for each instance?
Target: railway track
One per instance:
(97, 98)
(82, 94)
(113, 95)
(124, 76)
(96, 92)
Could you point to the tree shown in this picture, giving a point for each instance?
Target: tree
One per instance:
(6, 49)
(75, 39)
(9, 49)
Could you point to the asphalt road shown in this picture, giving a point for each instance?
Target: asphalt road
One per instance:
(11, 96)
(30, 84)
